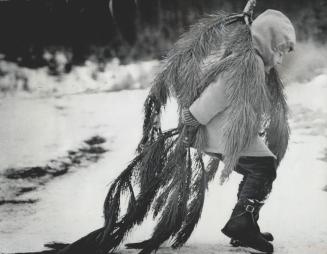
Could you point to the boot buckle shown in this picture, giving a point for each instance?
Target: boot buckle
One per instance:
(249, 208)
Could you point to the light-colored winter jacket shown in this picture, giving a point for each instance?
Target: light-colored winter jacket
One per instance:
(271, 31)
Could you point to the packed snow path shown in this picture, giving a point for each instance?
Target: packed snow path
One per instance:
(70, 206)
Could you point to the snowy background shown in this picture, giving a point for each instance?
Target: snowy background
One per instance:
(70, 122)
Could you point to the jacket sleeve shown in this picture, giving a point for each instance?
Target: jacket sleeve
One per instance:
(212, 101)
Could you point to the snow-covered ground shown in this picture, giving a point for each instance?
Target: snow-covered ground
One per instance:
(33, 131)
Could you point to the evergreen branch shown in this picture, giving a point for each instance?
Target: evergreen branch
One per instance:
(172, 216)
(194, 210)
(115, 230)
(212, 168)
(278, 130)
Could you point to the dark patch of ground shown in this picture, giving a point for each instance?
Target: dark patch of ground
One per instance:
(16, 182)
(15, 202)
(25, 189)
(96, 140)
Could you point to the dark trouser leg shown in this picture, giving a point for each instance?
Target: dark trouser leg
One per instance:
(259, 174)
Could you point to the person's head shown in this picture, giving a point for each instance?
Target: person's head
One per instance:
(273, 36)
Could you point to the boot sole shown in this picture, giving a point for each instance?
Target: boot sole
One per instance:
(245, 242)
(237, 243)
(255, 251)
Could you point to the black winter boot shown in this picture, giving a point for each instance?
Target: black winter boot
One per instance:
(266, 235)
(243, 226)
